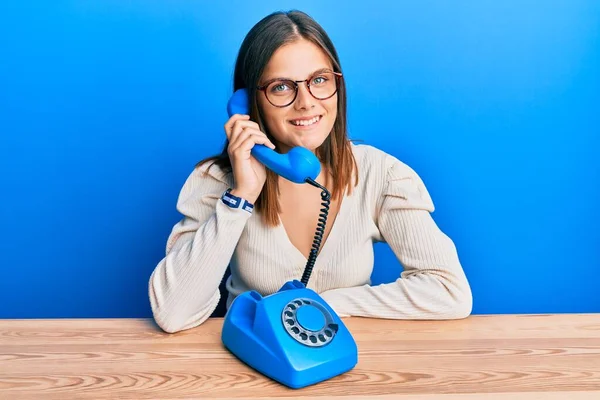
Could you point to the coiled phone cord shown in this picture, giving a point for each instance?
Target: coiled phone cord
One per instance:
(326, 200)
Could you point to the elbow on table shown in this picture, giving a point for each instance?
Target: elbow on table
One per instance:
(166, 319)
(463, 308)
(173, 322)
(461, 303)
(173, 318)
(167, 324)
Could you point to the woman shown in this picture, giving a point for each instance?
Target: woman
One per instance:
(298, 98)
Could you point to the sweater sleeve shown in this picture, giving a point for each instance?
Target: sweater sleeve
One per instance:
(433, 284)
(184, 286)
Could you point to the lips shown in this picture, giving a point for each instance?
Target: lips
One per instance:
(306, 121)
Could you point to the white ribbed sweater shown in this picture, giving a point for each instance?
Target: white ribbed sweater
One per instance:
(390, 204)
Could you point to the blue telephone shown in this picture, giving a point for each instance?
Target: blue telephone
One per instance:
(292, 336)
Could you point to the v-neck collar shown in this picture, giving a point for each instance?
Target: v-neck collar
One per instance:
(329, 245)
(336, 233)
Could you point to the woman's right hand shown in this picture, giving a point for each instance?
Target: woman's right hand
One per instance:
(249, 174)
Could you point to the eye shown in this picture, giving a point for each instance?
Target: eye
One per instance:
(319, 80)
(280, 87)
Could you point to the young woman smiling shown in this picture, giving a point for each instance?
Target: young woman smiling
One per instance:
(297, 95)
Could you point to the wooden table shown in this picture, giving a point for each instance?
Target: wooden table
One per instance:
(493, 357)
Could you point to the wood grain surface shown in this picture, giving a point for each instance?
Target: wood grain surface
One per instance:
(520, 357)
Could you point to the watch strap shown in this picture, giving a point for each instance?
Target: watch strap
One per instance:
(236, 202)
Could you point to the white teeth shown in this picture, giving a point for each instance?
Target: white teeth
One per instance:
(306, 122)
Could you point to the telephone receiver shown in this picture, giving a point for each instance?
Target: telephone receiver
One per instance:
(292, 336)
(297, 165)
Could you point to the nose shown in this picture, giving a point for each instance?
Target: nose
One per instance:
(304, 100)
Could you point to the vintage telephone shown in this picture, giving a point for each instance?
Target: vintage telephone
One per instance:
(292, 336)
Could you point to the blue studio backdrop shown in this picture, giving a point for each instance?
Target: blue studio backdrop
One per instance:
(105, 107)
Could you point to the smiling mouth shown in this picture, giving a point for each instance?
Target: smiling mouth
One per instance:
(306, 122)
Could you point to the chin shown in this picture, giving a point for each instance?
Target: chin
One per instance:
(312, 143)
(308, 139)
(313, 140)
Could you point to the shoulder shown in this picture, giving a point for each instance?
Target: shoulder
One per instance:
(374, 161)
(384, 175)
(211, 171)
(206, 179)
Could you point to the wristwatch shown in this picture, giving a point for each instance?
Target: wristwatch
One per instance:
(236, 202)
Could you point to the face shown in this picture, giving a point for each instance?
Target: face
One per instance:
(307, 121)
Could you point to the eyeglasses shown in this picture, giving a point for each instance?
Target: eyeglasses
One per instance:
(283, 92)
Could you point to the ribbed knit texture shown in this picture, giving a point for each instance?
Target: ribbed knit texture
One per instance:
(390, 204)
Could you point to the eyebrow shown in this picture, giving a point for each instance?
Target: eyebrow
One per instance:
(290, 79)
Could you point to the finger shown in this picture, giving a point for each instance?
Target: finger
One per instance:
(256, 137)
(246, 145)
(239, 139)
(236, 140)
(238, 126)
(231, 121)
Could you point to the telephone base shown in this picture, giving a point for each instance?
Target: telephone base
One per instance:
(291, 336)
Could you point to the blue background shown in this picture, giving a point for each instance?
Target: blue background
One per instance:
(105, 107)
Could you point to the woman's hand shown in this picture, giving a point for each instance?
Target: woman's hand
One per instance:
(249, 174)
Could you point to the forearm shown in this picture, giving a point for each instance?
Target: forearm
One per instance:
(432, 286)
(184, 287)
(418, 296)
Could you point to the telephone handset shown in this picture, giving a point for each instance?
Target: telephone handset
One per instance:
(292, 336)
(296, 166)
